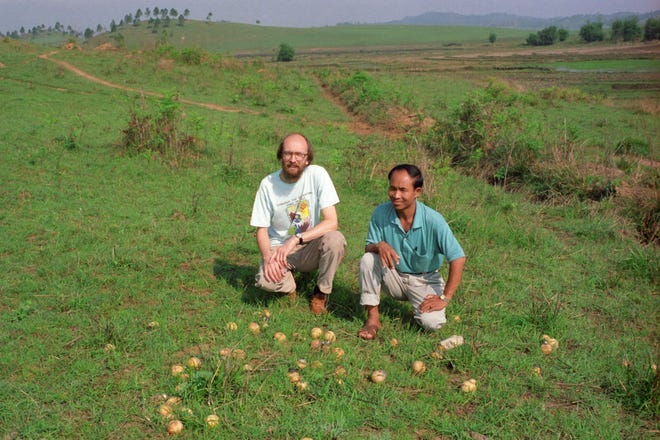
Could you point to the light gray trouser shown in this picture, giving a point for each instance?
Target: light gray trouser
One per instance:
(324, 253)
(402, 287)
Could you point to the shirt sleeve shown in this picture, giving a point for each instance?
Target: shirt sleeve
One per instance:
(449, 245)
(261, 209)
(327, 193)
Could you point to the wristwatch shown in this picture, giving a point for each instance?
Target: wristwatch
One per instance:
(300, 239)
(444, 298)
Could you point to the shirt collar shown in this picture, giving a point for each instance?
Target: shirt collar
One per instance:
(417, 220)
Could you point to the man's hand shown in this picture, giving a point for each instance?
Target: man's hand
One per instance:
(388, 257)
(277, 265)
(274, 271)
(432, 303)
(283, 251)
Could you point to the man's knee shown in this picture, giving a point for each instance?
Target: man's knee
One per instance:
(431, 321)
(367, 262)
(286, 285)
(335, 241)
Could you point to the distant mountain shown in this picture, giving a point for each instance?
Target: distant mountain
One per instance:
(573, 22)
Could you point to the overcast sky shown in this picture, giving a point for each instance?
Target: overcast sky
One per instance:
(81, 14)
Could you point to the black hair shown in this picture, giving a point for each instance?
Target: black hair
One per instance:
(412, 171)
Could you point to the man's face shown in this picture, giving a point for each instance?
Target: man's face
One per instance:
(402, 193)
(294, 157)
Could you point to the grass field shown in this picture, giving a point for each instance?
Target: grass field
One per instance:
(119, 264)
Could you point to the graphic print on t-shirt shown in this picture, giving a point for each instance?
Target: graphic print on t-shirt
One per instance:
(299, 217)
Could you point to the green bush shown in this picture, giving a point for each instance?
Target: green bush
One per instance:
(285, 52)
(191, 56)
(159, 129)
(486, 135)
(592, 32)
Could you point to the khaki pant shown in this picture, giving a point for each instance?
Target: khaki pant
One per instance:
(400, 286)
(324, 253)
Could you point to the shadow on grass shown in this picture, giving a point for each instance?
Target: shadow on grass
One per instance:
(343, 303)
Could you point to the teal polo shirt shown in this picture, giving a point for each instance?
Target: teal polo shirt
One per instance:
(424, 247)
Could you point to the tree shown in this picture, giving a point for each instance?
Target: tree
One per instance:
(652, 29)
(544, 37)
(182, 19)
(591, 32)
(562, 34)
(88, 33)
(548, 35)
(285, 53)
(113, 26)
(492, 37)
(626, 29)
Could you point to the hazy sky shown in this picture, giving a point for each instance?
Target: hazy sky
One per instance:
(81, 14)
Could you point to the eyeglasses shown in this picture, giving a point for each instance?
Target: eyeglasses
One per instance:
(290, 154)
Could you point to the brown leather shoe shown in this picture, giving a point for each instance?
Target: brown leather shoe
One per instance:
(319, 299)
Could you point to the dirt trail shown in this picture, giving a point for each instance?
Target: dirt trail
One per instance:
(87, 76)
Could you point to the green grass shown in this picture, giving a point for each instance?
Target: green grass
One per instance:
(642, 65)
(233, 37)
(98, 243)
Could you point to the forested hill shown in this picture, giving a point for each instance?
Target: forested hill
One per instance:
(516, 21)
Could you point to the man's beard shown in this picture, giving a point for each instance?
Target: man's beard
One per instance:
(293, 172)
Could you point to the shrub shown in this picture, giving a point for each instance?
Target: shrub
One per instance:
(592, 32)
(626, 30)
(544, 37)
(159, 129)
(486, 135)
(191, 56)
(644, 210)
(652, 29)
(285, 52)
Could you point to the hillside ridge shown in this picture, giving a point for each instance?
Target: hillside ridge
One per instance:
(572, 22)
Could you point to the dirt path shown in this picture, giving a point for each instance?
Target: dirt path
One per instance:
(92, 78)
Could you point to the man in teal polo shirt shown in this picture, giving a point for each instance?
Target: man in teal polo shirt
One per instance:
(406, 245)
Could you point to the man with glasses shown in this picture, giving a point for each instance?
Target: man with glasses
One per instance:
(296, 220)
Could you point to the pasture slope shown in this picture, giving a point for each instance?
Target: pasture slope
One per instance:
(118, 265)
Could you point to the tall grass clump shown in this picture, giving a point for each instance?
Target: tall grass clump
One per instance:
(190, 56)
(487, 135)
(361, 93)
(560, 175)
(491, 135)
(159, 128)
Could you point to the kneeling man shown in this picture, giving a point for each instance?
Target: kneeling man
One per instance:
(406, 244)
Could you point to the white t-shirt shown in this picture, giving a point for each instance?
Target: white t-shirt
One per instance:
(289, 208)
